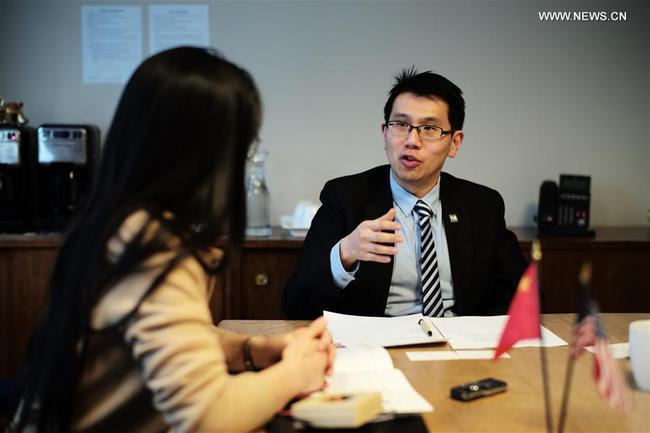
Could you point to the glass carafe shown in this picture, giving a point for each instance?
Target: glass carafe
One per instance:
(258, 200)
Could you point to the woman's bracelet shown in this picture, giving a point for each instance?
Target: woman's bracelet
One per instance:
(248, 357)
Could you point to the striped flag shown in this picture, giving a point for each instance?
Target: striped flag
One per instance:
(590, 331)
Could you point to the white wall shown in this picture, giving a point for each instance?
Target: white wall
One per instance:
(543, 98)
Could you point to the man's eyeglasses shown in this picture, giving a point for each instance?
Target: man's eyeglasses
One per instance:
(402, 129)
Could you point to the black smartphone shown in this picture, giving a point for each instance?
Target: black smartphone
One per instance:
(480, 388)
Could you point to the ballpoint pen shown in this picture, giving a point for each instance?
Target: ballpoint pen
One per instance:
(425, 327)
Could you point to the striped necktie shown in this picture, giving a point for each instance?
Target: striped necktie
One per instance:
(431, 294)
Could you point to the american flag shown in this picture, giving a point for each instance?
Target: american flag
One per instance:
(590, 331)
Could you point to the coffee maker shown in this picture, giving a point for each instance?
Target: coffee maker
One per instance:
(17, 152)
(66, 159)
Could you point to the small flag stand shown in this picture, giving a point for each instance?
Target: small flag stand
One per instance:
(589, 330)
(536, 255)
(525, 321)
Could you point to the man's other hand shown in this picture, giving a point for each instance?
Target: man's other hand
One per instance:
(366, 242)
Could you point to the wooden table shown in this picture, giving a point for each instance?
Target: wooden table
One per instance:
(521, 408)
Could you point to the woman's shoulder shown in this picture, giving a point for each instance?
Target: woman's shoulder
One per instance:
(129, 229)
(124, 296)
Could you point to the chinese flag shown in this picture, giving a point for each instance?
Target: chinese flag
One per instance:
(523, 314)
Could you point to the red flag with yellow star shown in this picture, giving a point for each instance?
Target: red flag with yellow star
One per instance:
(523, 320)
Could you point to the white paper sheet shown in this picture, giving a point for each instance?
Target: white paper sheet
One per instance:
(362, 358)
(483, 332)
(111, 39)
(619, 350)
(173, 25)
(451, 355)
(398, 396)
(379, 331)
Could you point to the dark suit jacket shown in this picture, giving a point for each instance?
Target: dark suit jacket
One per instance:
(485, 259)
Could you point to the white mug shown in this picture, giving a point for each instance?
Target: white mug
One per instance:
(640, 353)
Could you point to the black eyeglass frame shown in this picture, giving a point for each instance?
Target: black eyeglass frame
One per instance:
(417, 128)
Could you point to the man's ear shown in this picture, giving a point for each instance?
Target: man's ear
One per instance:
(456, 141)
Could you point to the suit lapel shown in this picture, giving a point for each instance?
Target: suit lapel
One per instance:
(459, 238)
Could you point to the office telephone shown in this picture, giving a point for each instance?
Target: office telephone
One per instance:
(564, 210)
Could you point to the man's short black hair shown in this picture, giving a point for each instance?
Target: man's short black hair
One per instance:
(429, 84)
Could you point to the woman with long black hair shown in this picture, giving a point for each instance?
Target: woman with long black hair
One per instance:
(127, 343)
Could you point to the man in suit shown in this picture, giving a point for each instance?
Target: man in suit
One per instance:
(406, 237)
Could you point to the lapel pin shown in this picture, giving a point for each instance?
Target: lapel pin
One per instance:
(453, 218)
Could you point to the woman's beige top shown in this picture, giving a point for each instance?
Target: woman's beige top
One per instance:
(164, 369)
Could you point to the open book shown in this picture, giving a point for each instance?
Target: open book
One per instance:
(361, 368)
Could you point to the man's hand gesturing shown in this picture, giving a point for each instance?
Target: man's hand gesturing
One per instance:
(365, 243)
